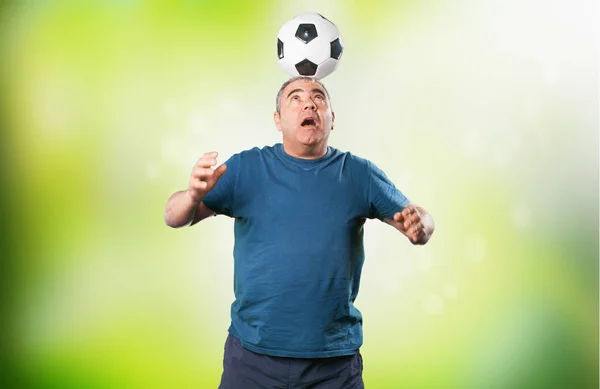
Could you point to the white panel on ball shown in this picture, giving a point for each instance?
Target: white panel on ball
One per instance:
(288, 29)
(326, 68)
(318, 50)
(327, 30)
(295, 51)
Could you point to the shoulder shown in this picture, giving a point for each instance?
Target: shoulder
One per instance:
(352, 160)
(361, 167)
(253, 153)
(251, 160)
(366, 164)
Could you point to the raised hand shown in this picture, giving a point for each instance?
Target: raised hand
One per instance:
(203, 177)
(409, 222)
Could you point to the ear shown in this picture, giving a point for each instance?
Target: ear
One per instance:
(277, 121)
(332, 119)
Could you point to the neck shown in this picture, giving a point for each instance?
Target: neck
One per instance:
(306, 152)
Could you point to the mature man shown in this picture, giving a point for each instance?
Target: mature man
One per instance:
(299, 210)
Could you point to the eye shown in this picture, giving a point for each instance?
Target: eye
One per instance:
(319, 97)
(295, 97)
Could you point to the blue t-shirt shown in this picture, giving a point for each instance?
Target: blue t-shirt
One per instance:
(298, 250)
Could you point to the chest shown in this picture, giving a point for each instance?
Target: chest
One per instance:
(327, 197)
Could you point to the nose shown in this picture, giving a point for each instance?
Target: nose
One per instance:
(309, 104)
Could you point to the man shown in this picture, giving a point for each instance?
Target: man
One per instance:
(299, 210)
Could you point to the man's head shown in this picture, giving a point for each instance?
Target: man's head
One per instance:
(303, 113)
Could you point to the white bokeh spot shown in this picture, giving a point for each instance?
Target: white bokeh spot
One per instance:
(451, 291)
(521, 216)
(171, 151)
(423, 263)
(170, 108)
(391, 285)
(476, 249)
(434, 305)
(152, 171)
(196, 123)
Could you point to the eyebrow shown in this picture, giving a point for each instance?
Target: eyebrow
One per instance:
(315, 90)
(294, 91)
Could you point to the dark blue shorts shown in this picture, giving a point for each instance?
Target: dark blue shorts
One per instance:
(244, 369)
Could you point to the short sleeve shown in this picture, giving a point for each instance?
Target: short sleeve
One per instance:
(221, 199)
(383, 196)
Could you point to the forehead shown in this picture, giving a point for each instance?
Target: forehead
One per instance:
(305, 85)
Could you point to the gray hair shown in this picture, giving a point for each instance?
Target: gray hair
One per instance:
(296, 78)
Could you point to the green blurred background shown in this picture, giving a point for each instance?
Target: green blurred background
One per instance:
(483, 112)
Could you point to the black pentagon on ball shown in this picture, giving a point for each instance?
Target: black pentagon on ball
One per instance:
(279, 48)
(306, 32)
(306, 68)
(336, 49)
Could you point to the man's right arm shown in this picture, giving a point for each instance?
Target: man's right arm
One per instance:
(182, 210)
(186, 207)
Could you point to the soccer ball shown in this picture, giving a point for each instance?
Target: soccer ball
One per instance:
(309, 45)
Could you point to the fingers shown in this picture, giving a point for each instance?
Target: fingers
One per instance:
(218, 172)
(208, 160)
(415, 228)
(409, 221)
(403, 217)
(410, 215)
(416, 237)
(409, 210)
(198, 185)
(202, 173)
(398, 217)
(203, 168)
(203, 177)
(415, 232)
(207, 174)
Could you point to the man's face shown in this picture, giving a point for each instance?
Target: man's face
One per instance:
(305, 117)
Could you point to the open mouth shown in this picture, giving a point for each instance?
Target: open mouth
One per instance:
(308, 122)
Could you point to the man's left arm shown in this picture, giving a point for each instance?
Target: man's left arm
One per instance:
(414, 222)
